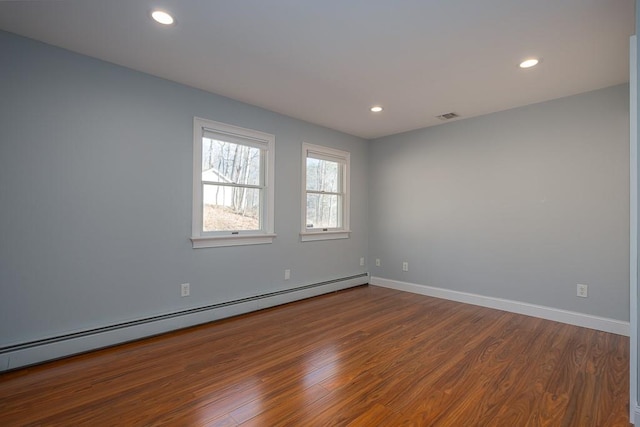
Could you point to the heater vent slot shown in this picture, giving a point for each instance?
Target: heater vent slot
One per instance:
(447, 116)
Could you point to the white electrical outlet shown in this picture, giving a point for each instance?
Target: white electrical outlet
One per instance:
(377, 262)
(185, 290)
(361, 261)
(582, 290)
(287, 274)
(405, 266)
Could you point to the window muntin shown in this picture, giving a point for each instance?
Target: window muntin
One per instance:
(233, 185)
(325, 212)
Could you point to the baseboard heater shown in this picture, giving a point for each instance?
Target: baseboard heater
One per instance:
(37, 351)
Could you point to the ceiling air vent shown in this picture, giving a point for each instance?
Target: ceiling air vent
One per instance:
(447, 116)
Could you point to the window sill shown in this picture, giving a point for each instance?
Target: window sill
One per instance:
(235, 240)
(313, 236)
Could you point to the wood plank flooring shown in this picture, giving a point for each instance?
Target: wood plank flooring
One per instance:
(366, 356)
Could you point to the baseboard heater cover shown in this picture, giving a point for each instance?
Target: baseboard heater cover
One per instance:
(37, 351)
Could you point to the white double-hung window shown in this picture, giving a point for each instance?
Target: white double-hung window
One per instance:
(325, 188)
(232, 185)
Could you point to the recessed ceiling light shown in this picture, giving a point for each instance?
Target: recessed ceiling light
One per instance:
(162, 17)
(528, 63)
(376, 109)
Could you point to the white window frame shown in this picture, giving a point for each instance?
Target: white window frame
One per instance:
(262, 140)
(344, 159)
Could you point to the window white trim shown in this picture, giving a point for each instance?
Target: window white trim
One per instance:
(312, 236)
(216, 241)
(261, 140)
(344, 159)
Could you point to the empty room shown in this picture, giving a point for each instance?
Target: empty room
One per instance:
(338, 213)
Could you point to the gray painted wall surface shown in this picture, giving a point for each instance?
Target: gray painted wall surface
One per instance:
(95, 197)
(521, 204)
(95, 200)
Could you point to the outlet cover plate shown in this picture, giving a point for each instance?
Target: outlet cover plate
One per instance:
(185, 290)
(582, 290)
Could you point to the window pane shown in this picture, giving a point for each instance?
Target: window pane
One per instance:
(323, 211)
(230, 208)
(323, 175)
(226, 162)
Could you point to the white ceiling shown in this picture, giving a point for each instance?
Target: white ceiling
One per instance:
(328, 61)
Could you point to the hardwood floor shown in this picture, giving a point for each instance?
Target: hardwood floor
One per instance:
(367, 356)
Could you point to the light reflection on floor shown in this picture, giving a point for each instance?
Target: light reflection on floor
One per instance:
(259, 395)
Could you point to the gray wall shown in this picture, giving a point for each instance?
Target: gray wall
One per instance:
(521, 204)
(95, 197)
(95, 200)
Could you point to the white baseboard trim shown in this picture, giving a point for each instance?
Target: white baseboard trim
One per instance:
(16, 356)
(571, 317)
(635, 415)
